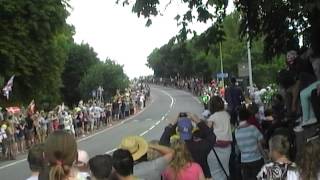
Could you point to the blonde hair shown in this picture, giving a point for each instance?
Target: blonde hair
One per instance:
(182, 157)
(153, 154)
(60, 152)
(310, 162)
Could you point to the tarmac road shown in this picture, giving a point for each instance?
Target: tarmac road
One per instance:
(166, 103)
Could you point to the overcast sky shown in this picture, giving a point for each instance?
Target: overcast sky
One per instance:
(115, 32)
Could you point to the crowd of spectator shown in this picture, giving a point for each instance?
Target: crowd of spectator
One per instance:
(21, 130)
(238, 137)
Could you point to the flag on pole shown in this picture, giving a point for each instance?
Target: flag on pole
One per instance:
(8, 88)
(31, 108)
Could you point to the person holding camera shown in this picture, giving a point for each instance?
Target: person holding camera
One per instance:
(199, 142)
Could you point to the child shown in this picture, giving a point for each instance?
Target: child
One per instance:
(35, 160)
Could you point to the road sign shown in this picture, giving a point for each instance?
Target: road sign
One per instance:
(243, 70)
(222, 75)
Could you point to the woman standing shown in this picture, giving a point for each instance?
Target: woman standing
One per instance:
(61, 153)
(182, 166)
(220, 122)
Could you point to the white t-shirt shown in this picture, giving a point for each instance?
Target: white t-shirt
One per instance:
(221, 125)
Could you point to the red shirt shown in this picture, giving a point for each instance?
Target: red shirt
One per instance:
(253, 121)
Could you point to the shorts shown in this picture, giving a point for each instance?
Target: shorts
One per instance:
(29, 134)
(19, 137)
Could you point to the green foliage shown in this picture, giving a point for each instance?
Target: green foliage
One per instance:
(197, 57)
(107, 74)
(279, 22)
(36, 46)
(80, 59)
(30, 47)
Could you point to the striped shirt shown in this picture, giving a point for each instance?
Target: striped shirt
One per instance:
(247, 138)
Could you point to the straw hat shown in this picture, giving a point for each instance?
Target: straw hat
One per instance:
(136, 145)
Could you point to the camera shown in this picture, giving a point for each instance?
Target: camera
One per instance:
(183, 114)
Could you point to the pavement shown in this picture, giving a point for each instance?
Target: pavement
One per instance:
(166, 103)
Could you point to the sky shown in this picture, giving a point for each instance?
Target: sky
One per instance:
(116, 33)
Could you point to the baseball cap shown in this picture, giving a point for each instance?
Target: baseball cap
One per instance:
(83, 156)
(185, 128)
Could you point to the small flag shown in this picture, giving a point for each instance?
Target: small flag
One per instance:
(31, 108)
(8, 88)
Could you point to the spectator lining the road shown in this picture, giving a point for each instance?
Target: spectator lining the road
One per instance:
(199, 143)
(182, 166)
(101, 167)
(249, 140)
(281, 168)
(61, 153)
(35, 160)
(123, 164)
(220, 122)
(139, 149)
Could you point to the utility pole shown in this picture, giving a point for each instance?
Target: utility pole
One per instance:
(221, 62)
(249, 61)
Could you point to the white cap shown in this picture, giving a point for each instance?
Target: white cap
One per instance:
(83, 156)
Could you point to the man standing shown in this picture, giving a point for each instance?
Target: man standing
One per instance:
(234, 98)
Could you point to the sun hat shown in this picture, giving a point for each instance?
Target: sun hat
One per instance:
(136, 145)
(185, 127)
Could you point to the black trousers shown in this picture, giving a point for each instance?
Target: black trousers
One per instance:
(250, 170)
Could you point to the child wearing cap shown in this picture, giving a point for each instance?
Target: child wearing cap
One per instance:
(82, 163)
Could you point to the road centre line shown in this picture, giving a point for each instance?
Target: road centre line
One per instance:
(157, 123)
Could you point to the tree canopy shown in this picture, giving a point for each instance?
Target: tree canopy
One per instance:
(190, 58)
(36, 45)
(31, 47)
(80, 58)
(281, 23)
(108, 74)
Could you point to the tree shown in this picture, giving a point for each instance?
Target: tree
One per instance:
(279, 22)
(190, 58)
(107, 74)
(80, 58)
(31, 40)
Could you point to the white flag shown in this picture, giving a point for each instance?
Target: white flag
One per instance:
(8, 88)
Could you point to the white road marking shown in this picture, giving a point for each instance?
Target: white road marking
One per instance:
(172, 100)
(145, 132)
(13, 163)
(111, 151)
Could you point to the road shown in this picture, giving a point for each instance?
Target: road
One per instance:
(166, 103)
